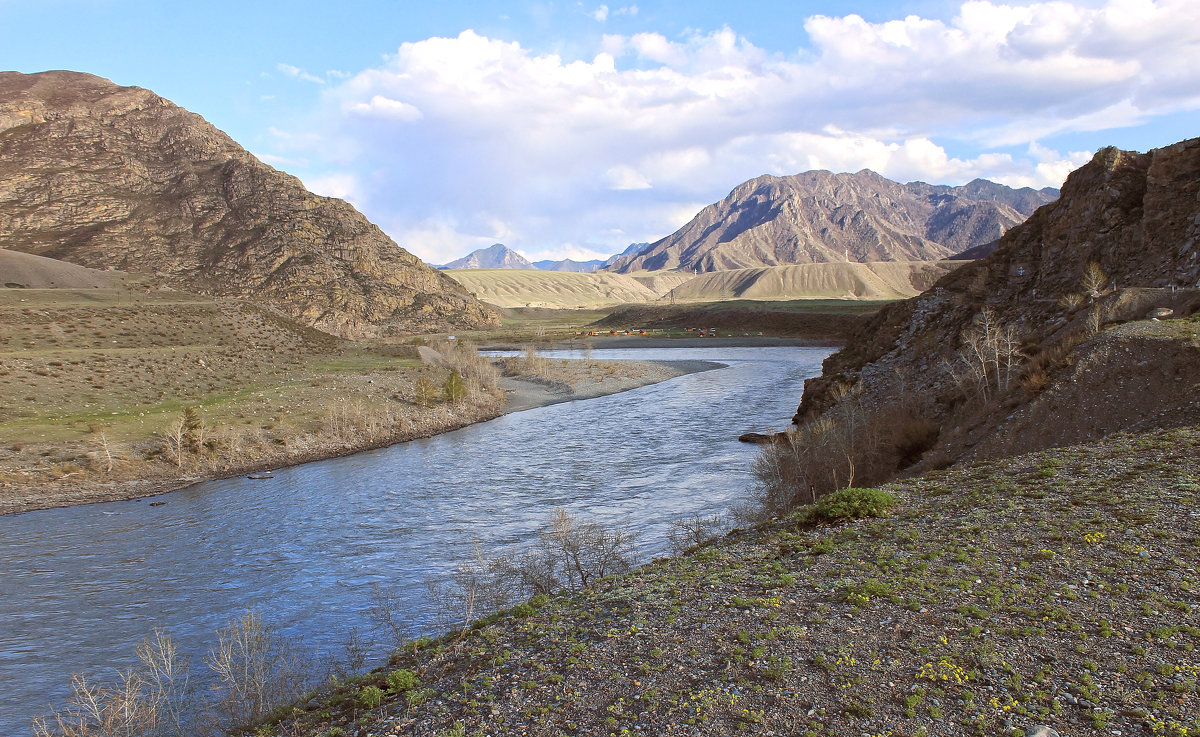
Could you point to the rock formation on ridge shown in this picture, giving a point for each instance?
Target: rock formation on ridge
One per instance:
(1137, 216)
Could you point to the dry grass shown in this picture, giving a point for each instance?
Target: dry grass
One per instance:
(95, 380)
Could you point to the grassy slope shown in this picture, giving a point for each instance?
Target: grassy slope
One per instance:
(874, 281)
(1056, 588)
(84, 368)
(560, 289)
(553, 289)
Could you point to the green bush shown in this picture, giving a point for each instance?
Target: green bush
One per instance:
(370, 697)
(402, 680)
(455, 387)
(522, 610)
(846, 504)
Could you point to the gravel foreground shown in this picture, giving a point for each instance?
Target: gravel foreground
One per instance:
(1058, 588)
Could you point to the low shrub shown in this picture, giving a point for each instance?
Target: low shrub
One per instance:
(370, 697)
(847, 504)
(402, 680)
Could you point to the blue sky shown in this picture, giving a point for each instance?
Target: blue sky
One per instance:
(575, 128)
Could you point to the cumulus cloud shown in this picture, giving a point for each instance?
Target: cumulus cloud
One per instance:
(452, 135)
(385, 107)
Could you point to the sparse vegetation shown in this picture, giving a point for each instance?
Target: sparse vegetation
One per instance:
(121, 386)
(948, 613)
(851, 443)
(249, 674)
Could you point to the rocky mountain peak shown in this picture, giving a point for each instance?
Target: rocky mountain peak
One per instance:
(822, 217)
(495, 256)
(117, 177)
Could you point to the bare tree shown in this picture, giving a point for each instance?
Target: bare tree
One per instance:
(478, 585)
(168, 676)
(1094, 280)
(176, 438)
(149, 700)
(570, 554)
(697, 529)
(104, 448)
(384, 611)
(582, 552)
(256, 669)
(988, 358)
(424, 391)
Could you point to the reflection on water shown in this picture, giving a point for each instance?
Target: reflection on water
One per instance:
(80, 586)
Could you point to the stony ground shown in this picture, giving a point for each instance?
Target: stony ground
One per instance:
(1058, 588)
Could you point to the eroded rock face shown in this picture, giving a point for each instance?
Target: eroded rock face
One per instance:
(820, 217)
(1136, 215)
(114, 177)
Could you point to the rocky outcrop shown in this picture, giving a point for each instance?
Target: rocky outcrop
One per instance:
(819, 217)
(1135, 215)
(114, 177)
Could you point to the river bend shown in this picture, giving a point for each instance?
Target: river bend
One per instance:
(81, 586)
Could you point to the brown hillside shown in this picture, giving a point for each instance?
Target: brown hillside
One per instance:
(819, 217)
(35, 272)
(879, 280)
(1135, 215)
(117, 177)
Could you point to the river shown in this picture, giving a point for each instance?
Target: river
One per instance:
(81, 586)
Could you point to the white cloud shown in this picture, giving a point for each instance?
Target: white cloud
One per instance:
(343, 186)
(451, 136)
(600, 14)
(281, 161)
(626, 177)
(298, 73)
(385, 107)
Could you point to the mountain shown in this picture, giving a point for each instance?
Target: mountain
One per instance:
(624, 257)
(496, 256)
(1121, 243)
(819, 217)
(581, 267)
(114, 177)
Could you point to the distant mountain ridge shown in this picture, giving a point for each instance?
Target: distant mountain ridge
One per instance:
(571, 265)
(821, 217)
(495, 256)
(499, 256)
(117, 177)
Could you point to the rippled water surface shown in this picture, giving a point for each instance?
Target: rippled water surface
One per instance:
(79, 587)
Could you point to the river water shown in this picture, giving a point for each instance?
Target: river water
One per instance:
(80, 586)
